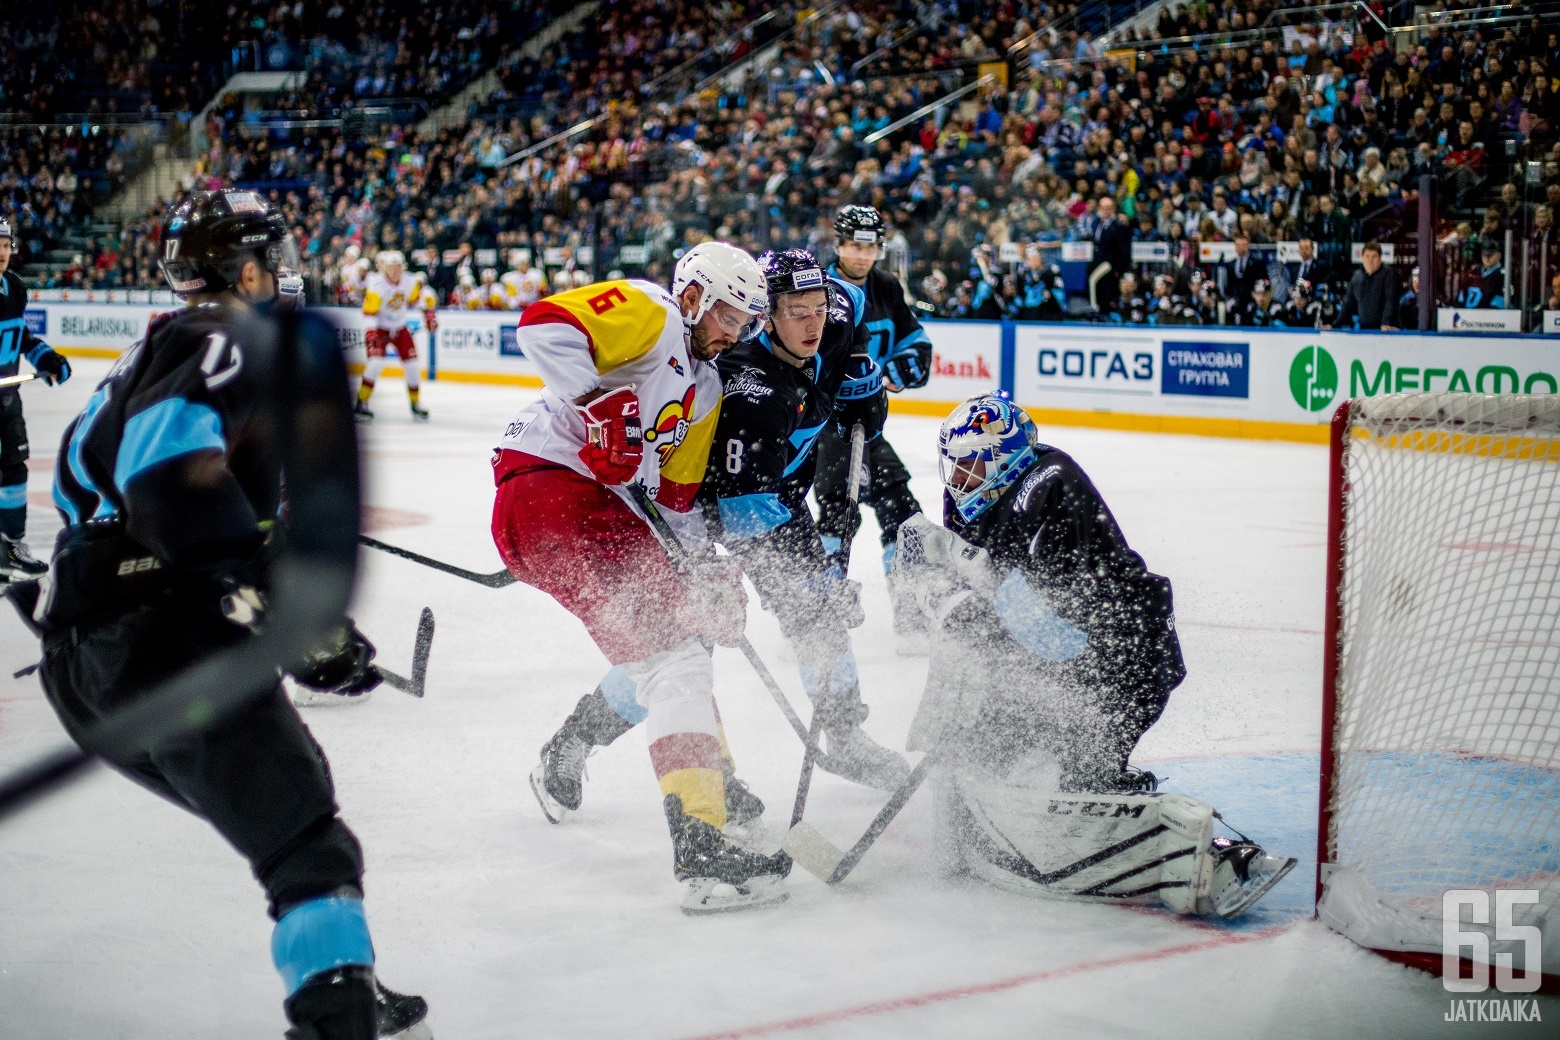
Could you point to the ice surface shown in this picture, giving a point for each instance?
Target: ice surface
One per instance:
(122, 917)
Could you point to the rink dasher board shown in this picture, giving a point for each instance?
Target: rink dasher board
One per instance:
(1277, 384)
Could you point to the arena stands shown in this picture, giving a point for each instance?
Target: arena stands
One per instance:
(1219, 136)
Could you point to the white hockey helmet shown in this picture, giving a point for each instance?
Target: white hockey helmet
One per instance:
(352, 252)
(489, 275)
(5, 228)
(388, 257)
(465, 279)
(983, 448)
(727, 273)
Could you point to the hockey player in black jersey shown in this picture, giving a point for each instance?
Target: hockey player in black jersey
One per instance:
(170, 489)
(900, 347)
(805, 373)
(805, 376)
(16, 342)
(1053, 650)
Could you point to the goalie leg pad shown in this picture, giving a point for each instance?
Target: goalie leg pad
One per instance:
(1120, 848)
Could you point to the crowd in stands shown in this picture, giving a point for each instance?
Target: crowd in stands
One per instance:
(1239, 125)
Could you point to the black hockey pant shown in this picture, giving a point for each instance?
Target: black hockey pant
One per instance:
(887, 491)
(257, 775)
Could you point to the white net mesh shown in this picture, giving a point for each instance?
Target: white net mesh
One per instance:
(1447, 727)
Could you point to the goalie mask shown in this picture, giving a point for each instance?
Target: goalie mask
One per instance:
(983, 448)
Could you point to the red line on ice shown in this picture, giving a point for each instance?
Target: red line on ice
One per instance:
(824, 1018)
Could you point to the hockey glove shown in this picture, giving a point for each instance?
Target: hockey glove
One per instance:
(861, 398)
(907, 371)
(722, 600)
(924, 545)
(52, 368)
(431, 321)
(831, 599)
(614, 439)
(342, 665)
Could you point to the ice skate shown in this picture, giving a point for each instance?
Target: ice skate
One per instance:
(1242, 874)
(360, 411)
(400, 1016)
(17, 563)
(558, 779)
(744, 811)
(419, 413)
(721, 876)
(852, 754)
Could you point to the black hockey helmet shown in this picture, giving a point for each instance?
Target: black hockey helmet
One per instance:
(209, 236)
(791, 271)
(858, 224)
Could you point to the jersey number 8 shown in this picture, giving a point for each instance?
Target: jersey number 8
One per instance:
(734, 449)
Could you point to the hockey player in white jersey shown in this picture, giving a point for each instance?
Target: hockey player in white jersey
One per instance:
(523, 284)
(350, 276)
(387, 295)
(1053, 650)
(565, 522)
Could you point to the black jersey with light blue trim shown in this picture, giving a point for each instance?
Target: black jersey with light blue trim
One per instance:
(761, 463)
(1061, 555)
(16, 339)
(165, 446)
(892, 327)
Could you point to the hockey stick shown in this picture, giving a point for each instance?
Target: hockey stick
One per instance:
(496, 580)
(17, 380)
(821, 858)
(420, 650)
(675, 549)
(858, 442)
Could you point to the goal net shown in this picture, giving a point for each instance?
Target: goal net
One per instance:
(1441, 728)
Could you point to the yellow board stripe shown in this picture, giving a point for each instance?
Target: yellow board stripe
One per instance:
(109, 353)
(1525, 448)
(1200, 426)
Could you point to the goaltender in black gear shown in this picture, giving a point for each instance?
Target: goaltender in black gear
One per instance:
(1053, 650)
(170, 490)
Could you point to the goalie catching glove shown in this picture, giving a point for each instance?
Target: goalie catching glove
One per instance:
(614, 436)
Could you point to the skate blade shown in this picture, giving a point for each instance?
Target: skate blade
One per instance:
(303, 697)
(415, 1031)
(1250, 896)
(554, 810)
(705, 896)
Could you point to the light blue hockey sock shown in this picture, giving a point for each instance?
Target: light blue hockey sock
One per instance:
(319, 936)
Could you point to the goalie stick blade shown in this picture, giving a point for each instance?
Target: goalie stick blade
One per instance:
(812, 851)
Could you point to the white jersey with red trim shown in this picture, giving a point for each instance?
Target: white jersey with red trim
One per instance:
(613, 334)
(523, 288)
(385, 303)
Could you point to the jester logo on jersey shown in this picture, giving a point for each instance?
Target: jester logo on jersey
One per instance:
(670, 426)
